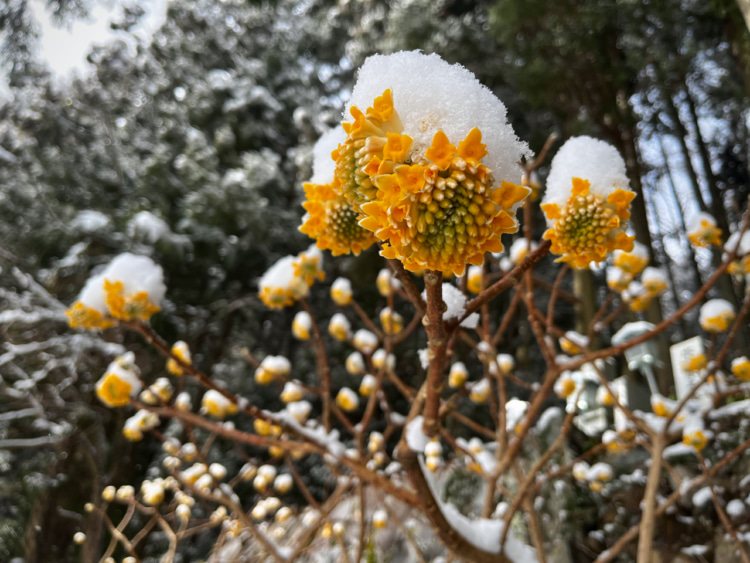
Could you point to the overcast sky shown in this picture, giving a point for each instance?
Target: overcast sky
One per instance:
(65, 49)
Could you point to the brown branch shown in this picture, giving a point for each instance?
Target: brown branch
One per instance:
(410, 288)
(437, 346)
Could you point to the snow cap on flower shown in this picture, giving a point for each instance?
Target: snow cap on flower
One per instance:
(292, 392)
(182, 351)
(300, 410)
(382, 360)
(694, 432)
(355, 364)
(341, 292)
(431, 95)
(474, 279)
(617, 280)
(520, 248)
(339, 327)
(308, 265)
(217, 405)
(573, 342)
(654, 280)
(637, 297)
(386, 282)
(702, 230)
(458, 375)
(365, 341)
(634, 261)
(280, 286)
(741, 368)
(505, 363)
(120, 383)
(302, 325)
(347, 400)
(367, 385)
(587, 202)
(480, 391)
(716, 315)
(142, 421)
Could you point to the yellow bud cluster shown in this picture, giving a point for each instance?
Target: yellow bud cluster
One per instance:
(589, 226)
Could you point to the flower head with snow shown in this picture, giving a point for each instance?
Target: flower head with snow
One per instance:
(280, 286)
(741, 368)
(341, 292)
(181, 351)
(423, 145)
(331, 220)
(130, 288)
(702, 231)
(617, 280)
(741, 265)
(217, 405)
(637, 297)
(309, 265)
(120, 383)
(632, 262)
(716, 315)
(587, 202)
(654, 280)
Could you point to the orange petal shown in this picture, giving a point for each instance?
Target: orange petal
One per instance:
(441, 152)
(471, 148)
(551, 210)
(580, 187)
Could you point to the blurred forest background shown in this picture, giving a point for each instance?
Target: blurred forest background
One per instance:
(191, 146)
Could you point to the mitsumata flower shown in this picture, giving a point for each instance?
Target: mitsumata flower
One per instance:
(120, 383)
(587, 202)
(280, 286)
(416, 166)
(130, 288)
(702, 231)
(716, 315)
(332, 221)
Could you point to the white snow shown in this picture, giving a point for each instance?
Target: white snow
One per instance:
(455, 303)
(137, 273)
(431, 95)
(736, 508)
(324, 166)
(589, 159)
(732, 409)
(702, 497)
(365, 341)
(678, 450)
(90, 221)
(695, 550)
(147, 226)
(715, 308)
(550, 416)
(483, 533)
(519, 249)
(415, 438)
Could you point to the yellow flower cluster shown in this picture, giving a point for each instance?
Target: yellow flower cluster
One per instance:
(290, 278)
(703, 231)
(589, 226)
(332, 221)
(439, 211)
